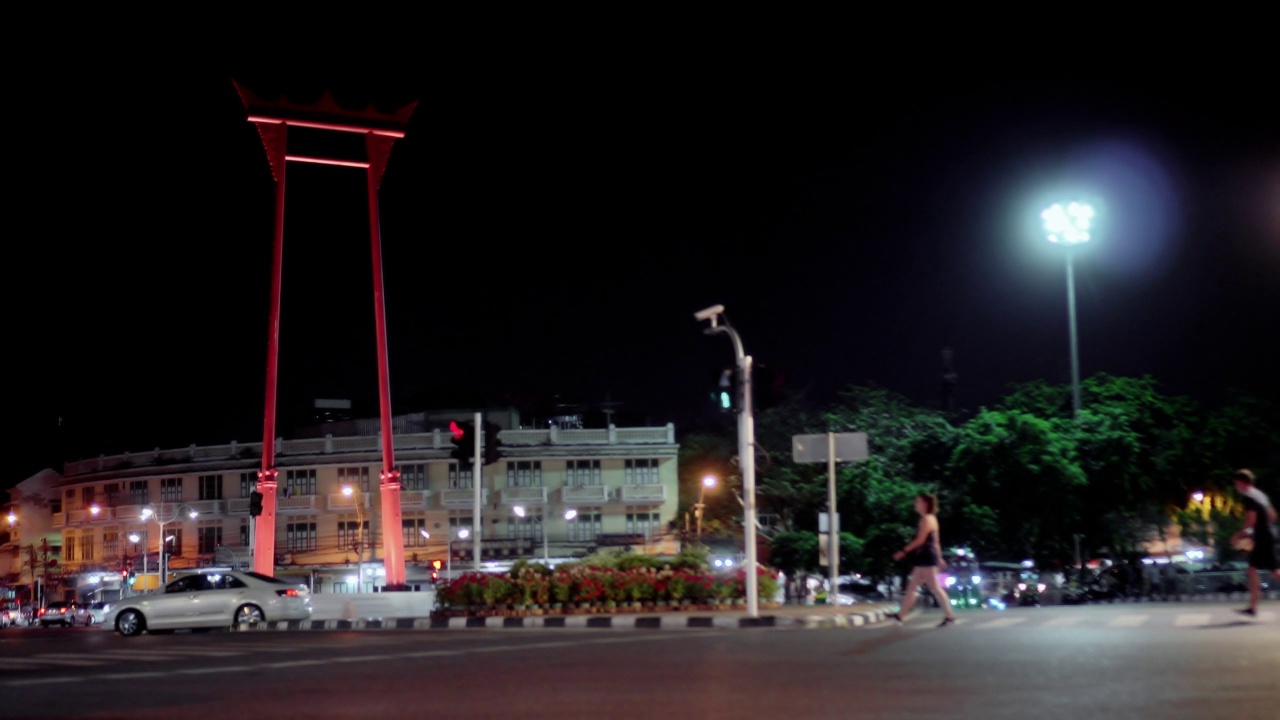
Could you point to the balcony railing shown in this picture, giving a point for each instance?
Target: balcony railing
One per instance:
(462, 497)
(329, 445)
(237, 506)
(338, 501)
(518, 495)
(297, 502)
(414, 498)
(643, 493)
(584, 495)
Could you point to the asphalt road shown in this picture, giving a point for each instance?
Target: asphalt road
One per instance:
(1104, 662)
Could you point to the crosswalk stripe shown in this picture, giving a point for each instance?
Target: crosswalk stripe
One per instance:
(1267, 616)
(1192, 619)
(1066, 621)
(1002, 622)
(1129, 621)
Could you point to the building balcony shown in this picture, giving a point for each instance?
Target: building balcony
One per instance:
(524, 495)
(584, 495)
(208, 507)
(414, 498)
(297, 502)
(338, 501)
(462, 497)
(643, 493)
(238, 506)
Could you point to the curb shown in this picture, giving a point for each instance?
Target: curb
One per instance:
(845, 620)
(638, 622)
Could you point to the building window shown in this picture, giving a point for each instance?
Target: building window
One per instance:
(244, 533)
(210, 487)
(174, 546)
(111, 493)
(248, 483)
(641, 472)
(111, 543)
(585, 526)
(459, 522)
(209, 539)
(413, 528)
(354, 476)
(139, 492)
(528, 527)
(643, 523)
(86, 496)
(300, 482)
(170, 489)
(141, 545)
(413, 477)
(86, 546)
(524, 474)
(349, 538)
(459, 480)
(68, 547)
(580, 473)
(70, 499)
(300, 536)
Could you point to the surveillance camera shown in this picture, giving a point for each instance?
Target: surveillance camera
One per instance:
(709, 313)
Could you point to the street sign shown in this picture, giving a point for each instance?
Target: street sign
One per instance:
(824, 523)
(824, 539)
(850, 447)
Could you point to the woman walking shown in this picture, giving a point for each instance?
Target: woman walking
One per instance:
(925, 552)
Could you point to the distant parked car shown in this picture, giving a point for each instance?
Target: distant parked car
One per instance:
(67, 614)
(209, 599)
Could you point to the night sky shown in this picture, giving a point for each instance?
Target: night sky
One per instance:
(550, 227)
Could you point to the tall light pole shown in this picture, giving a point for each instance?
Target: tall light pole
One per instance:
(746, 448)
(455, 533)
(708, 481)
(358, 544)
(163, 519)
(1069, 226)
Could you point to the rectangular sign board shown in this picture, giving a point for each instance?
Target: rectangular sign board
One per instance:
(850, 447)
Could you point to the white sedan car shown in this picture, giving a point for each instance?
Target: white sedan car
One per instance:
(210, 599)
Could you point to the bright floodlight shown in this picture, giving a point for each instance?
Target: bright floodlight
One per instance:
(147, 512)
(518, 510)
(709, 481)
(1197, 496)
(463, 533)
(170, 538)
(570, 514)
(1069, 225)
(193, 514)
(134, 537)
(347, 490)
(13, 519)
(94, 509)
(424, 532)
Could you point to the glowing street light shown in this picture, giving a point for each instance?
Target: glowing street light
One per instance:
(546, 551)
(358, 544)
(1069, 226)
(708, 481)
(1197, 496)
(13, 518)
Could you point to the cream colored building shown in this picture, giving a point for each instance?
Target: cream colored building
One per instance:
(619, 483)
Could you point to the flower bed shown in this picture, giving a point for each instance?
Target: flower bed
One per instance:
(623, 587)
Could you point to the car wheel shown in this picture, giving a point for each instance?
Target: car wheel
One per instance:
(248, 615)
(130, 623)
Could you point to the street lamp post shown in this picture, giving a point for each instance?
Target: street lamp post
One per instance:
(358, 543)
(546, 551)
(746, 449)
(135, 538)
(163, 519)
(1068, 227)
(708, 481)
(455, 533)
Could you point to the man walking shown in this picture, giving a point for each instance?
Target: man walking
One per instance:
(1258, 518)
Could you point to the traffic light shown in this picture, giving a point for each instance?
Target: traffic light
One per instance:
(255, 503)
(464, 442)
(435, 570)
(491, 443)
(728, 390)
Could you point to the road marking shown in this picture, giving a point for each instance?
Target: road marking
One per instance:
(205, 671)
(1192, 619)
(119, 676)
(136, 655)
(1266, 616)
(300, 663)
(1002, 622)
(67, 659)
(1064, 621)
(17, 663)
(1129, 621)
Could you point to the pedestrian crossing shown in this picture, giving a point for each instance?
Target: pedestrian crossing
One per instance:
(1035, 619)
